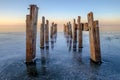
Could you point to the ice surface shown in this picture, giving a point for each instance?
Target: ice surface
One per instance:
(59, 62)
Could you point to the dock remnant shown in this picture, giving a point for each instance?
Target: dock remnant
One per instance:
(42, 32)
(67, 29)
(51, 30)
(31, 32)
(94, 38)
(80, 33)
(74, 34)
(64, 28)
(47, 31)
(55, 29)
(74, 31)
(47, 34)
(70, 30)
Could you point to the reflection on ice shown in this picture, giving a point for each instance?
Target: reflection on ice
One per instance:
(61, 63)
(31, 69)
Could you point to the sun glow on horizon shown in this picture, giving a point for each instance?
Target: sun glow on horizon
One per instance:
(13, 13)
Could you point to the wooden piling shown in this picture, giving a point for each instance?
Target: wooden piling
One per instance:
(31, 32)
(42, 33)
(47, 31)
(98, 50)
(67, 29)
(55, 28)
(68, 25)
(74, 35)
(80, 33)
(93, 35)
(51, 30)
(70, 30)
(74, 31)
(82, 25)
(64, 28)
(55, 35)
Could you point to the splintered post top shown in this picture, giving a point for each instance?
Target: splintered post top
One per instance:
(33, 5)
(33, 11)
(90, 16)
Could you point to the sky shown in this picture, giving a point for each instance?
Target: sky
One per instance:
(13, 12)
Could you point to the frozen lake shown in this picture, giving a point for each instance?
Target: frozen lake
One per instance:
(60, 61)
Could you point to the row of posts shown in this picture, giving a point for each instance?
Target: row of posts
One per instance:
(44, 32)
(31, 33)
(76, 34)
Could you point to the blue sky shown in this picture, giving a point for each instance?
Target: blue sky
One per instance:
(107, 11)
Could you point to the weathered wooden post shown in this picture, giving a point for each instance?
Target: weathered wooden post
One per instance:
(98, 50)
(80, 33)
(74, 35)
(55, 28)
(64, 28)
(94, 42)
(74, 31)
(47, 31)
(55, 35)
(51, 30)
(70, 30)
(31, 31)
(42, 33)
(68, 24)
(82, 25)
(67, 29)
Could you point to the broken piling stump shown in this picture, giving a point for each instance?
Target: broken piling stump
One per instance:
(80, 33)
(47, 31)
(31, 32)
(74, 34)
(51, 30)
(94, 42)
(74, 31)
(42, 33)
(55, 28)
(70, 30)
(64, 28)
(98, 50)
(67, 29)
(47, 34)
